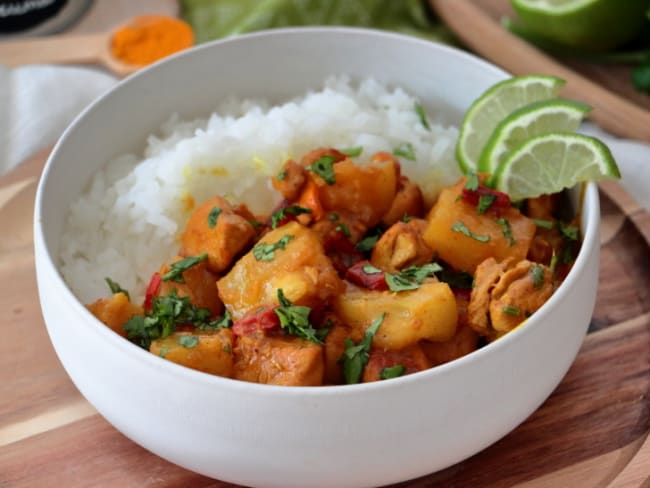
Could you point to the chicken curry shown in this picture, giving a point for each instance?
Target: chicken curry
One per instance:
(350, 279)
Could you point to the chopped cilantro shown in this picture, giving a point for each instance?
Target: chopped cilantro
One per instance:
(370, 269)
(510, 310)
(223, 322)
(419, 109)
(405, 150)
(333, 217)
(295, 319)
(485, 202)
(266, 252)
(188, 341)
(553, 264)
(462, 228)
(213, 216)
(569, 232)
(537, 274)
(352, 151)
(255, 223)
(281, 214)
(116, 288)
(163, 352)
(544, 224)
(412, 277)
(406, 218)
(390, 372)
(355, 357)
(343, 229)
(506, 229)
(472, 182)
(175, 274)
(227, 348)
(368, 242)
(281, 175)
(323, 331)
(324, 167)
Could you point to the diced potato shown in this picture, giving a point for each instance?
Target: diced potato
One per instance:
(200, 285)
(210, 352)
(216, 229)
(412, 358)
(365, 192)
(302, 270)
(287, 360)
(465, 252)
(426, 313)
(115, 311)
(408, 201)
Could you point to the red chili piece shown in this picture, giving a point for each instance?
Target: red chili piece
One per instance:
(371, 281)
(501, 202)
(341, 251)
(265, 319)
(152, 290)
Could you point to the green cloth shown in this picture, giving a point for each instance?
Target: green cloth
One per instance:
(214, 19)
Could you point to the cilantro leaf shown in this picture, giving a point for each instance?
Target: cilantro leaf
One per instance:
(472, 182)
(544, 224)
(188, 341)
(223, 322)
(213, 216)
(281, 214)
(116, 288)
(324, 167)
(352, 151)
(266, 251)
(510, 310)
(344, 229)
(282, 174)
(462, 228)
(366, 244)
(411, 278)
(356, 356)
(569, 232)
(390, 372)
(295, 319)
(405, 150)
(485, 202)
(176, 272)
(507, 230)
(419, 109)
(537, 274)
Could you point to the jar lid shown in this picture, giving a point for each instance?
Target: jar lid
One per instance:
(39, 17)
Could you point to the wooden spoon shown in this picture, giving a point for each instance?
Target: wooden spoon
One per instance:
(68, 49)
(486, 37)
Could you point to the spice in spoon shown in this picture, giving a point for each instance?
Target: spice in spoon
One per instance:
(148, 38)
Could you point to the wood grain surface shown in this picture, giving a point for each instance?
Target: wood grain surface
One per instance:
(591, 432)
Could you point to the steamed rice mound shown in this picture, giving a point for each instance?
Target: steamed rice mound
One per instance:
(130, 218)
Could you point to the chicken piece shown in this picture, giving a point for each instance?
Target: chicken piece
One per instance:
(486, 277)
(520, 292)
(464, 238)
(429, 312)
(464, 341)
(408, 201)
(287, 360)
(216, 229)
(290, 180)
(199, 284)
(402, 246)
(209, 351)
(290, 258)
(411, 358)
(115, 311)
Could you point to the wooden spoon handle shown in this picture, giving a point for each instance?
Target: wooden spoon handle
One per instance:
(486, 37)
(83, 49)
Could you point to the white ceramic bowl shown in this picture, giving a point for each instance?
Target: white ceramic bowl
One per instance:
(260, 435)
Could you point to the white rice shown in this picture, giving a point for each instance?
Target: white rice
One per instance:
(129, 220)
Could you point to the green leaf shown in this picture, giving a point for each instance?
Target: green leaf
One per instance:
(419, 109)
(544, 224)
(116, 288)
(213, 216)
(462, 228)
(344, 229)
(485, 202)
(537, 273)
(175, 274)
(510, 310)
(390, 372)
(281, 214)
(506, 229)
(294, 319)
(405, 150)
(266, 251)
(569, 232)
(188, 341)
(355, 357)
(472, 182)
(324, 167)
(411, 278)
(352, 151)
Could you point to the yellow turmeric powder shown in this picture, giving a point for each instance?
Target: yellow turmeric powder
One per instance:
(148, 38)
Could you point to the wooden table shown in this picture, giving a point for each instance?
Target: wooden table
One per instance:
(591, 432)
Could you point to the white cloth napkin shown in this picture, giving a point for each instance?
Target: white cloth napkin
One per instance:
(38, 102)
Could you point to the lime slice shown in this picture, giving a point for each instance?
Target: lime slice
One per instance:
(551, 162)
(593, 25)
(556, 115)
(494, 105)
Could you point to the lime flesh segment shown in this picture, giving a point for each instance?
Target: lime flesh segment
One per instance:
(493, 106)
(551, 162)
(592, 25)
(532, 120)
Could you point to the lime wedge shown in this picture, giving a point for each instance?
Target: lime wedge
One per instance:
(556, 115)
(494, 105)
(551, 162)
(593, 25)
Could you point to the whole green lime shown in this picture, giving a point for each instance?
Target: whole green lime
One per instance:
(590, 25)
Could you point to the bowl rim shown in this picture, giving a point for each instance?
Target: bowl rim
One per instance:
(589, 199)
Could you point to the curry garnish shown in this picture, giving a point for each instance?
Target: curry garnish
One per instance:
(266, 251)
(213, 216)
(116, 288)
(411, 278)
(419, 109)
(368, 242)
(324, 167)
(175, 274)
(281, 175)
(506, 229)
(390, 372)
(472, 182)
(281, 215)
(462, 228)
(294, 319)
(355, 357)
(544, 224)
(344, 229)
(188, 341)
(569, 232)
(537, 274)
(352, 151)
(223, 322)
(163, 352)
(510, 310)
(485, 202)
(405, 150)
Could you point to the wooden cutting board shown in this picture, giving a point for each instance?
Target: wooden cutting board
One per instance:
(591, 432)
